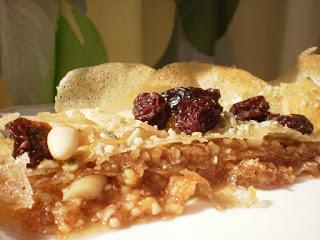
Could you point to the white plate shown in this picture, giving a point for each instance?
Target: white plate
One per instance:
(294, 213)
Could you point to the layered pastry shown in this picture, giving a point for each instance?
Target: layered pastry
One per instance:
(128, 143)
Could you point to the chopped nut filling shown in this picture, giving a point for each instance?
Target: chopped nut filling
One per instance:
(153, 182)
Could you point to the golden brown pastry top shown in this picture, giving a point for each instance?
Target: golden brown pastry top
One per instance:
(113, 86)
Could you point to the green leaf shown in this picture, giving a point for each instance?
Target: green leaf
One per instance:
(72, 52)
(205, 21)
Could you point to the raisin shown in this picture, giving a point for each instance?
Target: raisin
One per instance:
(31, 137)
(255, 108)
(295, 121)
(197, 115)
(151, 108)
(175, 95)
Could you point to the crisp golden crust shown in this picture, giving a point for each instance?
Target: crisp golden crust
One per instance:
(234, 84)
(115, 85)
(111, 86)
(306, 65)
(302, 97)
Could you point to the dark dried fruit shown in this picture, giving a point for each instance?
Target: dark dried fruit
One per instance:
(295, 121)
(197, 115)
(255, 108)
(202, 114)
(175, 95)
(31, 137)
(151, 108)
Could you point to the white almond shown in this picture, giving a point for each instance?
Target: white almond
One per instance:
(63, 142)
(88, 187)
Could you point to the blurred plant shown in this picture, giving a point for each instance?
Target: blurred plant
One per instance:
(205, 21)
